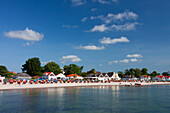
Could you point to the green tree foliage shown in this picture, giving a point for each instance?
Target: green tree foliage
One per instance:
(137, 72)
(32, 66)
(84, 74)
(121, 74)
(92, 71)
(165, 73)
(127, 72)
(52, 67)
(73, 69)
(144, 71)
(3, 70)
(153, 74)
(132, 71)
(9, 75)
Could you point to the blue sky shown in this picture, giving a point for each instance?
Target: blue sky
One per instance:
(108, 35)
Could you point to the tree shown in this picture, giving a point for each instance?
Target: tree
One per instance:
(3, 70)
(32, 66)
(73, 69)
(84, 74)
(153, 74)
(132, 71)
(52, 67)
(121, 74)
(165, 73)
(127, 72)
(9, 75)
(137, 72)
(92, 71)
(144, 71)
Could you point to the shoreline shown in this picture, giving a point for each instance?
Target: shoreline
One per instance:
(58, 85)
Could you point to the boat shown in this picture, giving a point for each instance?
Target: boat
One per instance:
(137, 84)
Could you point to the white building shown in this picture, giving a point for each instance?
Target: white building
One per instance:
(145, 78)
(159, 78)
(113, 76)
(2, 78)
(129, 77)
(61, 76)
(167, 78)
(104, 76)
(49, 75)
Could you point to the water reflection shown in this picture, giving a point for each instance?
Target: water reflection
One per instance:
(85, 99)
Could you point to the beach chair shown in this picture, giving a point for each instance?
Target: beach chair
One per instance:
(24, 82)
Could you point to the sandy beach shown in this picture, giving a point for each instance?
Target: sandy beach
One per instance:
(56, 85)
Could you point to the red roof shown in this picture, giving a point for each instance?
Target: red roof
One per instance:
(167, 77)
(145, 76)
(47, 73)
(160, 76)
(12, 72)
(72, 75)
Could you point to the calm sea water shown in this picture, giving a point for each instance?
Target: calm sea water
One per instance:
(103, 99)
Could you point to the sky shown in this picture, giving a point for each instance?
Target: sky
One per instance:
(108, 35)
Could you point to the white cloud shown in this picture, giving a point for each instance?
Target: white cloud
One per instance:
(125, 27)
(124, 61)
(44, 63)
(78, 2)
(100, 28)
(93, 9)
(91, 47)
(119, 61)
(26, 34)
(127, 15)
(108, 40)
(133, 60)
(70, 58)
(111, 62)
(104, 1)
(84, 19)
(26, 44)
(134, 56)
(100, 65)
(70, 26)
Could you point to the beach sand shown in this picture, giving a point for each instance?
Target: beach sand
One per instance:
(56, 85)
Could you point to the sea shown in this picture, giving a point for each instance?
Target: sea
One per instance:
(100, 99)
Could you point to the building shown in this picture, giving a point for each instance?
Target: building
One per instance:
(159, 78)
(75, 76)
(145, 78)
(129, 77)
(49, 75)
(61, 76)
(104, 76)
(113, 76)
(22, 76)
(167, 78)
(1, 78)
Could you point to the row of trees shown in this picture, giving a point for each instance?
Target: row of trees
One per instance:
(4, 72)
(137, 72)
(33, 67)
